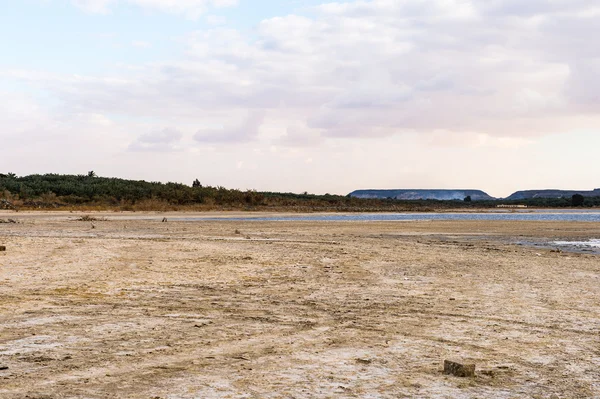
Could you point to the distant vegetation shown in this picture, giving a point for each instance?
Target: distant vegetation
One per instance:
(577, 200)
(88, 191)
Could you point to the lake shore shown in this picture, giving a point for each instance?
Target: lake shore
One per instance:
(133, 307)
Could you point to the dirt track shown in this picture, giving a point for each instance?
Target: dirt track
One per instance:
(144, 309)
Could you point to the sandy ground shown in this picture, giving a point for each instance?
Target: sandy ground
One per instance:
(227, 309)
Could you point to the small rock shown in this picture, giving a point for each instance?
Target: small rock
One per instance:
(2, 248)
(458, 369)
(164, 220)
(3, 367)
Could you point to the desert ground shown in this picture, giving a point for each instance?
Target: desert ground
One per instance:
(132, 307)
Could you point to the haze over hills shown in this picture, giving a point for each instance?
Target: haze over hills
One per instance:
(459, 194)
(441, 195)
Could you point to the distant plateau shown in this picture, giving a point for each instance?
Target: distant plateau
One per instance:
(461, 194)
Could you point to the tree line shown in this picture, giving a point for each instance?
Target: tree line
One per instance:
(91, 191)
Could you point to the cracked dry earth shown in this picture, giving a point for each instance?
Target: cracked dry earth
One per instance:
(136, 308)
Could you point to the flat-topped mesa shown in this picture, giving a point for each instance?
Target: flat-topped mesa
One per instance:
(552, 193)
(433, 194)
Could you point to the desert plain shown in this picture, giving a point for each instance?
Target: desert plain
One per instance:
(129, 306)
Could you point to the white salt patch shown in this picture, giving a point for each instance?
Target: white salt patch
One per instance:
(30, 344)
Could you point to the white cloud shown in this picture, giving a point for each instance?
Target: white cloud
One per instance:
(245, 131)
(141, 44)
(443, 138)
(94, 6)
(190, 8)
(301, 136)
(372, 68)
(164, 140)
(365, 69)
(215, 20)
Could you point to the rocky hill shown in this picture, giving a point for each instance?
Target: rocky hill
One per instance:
(442, 195)
(530, 194)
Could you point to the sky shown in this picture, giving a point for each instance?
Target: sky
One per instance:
(294, 96)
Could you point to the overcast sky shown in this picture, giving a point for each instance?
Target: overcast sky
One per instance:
(304, 95)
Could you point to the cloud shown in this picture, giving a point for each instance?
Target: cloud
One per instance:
(441, 138)
(141, 44)
(215, 20)
(191, 8)
(368, 69)
(94, 6)
(246, 131)
(164, 140)
(301, 136)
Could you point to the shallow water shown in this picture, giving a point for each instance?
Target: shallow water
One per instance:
(572, 216)
(579, 244)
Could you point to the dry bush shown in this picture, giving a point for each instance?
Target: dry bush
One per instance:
(89, 218)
